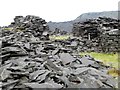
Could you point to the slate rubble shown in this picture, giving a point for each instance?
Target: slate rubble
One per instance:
(98, 35)
(30, 62)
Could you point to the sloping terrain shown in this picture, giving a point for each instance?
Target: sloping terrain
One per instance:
(67, 25)
(29, 61)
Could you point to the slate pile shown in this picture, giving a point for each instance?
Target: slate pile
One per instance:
(101, 34)
(28, 62)
(33, 24)
(109, 42)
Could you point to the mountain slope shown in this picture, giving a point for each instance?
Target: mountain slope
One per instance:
(83, 17)
(67, 26)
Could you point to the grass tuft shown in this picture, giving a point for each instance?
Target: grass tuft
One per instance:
(62, 37)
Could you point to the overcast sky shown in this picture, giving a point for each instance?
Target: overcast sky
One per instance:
(52, 10)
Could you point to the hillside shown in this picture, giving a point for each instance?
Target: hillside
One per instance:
(67, 25)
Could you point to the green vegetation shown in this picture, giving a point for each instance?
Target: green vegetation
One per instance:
(8, 28)
(62, 37)
(108, 59)
(11, 29)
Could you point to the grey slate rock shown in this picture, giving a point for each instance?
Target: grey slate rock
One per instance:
(44, 85)
(36, 74)
(31, 60)
(86, 61)
(66, 58)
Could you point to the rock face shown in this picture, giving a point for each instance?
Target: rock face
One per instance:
(102, 34)
(28, 62)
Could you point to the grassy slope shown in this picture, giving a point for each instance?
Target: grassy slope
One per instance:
(107, 59)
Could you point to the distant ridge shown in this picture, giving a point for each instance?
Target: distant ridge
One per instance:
(111, 14)
(67, 26)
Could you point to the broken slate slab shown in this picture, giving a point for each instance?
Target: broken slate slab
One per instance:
(43, 85)
(66, 58)
(34, 75)
(86, 61)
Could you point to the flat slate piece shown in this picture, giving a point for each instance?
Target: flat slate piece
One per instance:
(66, 58)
